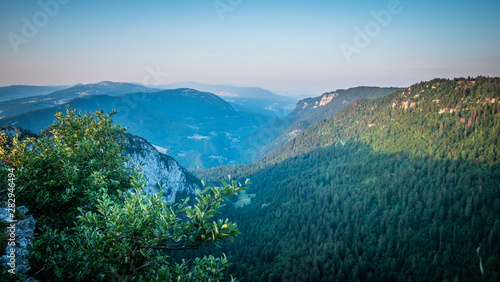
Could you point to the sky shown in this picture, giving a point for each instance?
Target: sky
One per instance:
(293, 47)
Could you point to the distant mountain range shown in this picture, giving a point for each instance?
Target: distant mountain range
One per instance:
(245, 99)
(198, 128)
(194, 146)
(227, 90)
(16, 100)
(59, 97)
(23, 91)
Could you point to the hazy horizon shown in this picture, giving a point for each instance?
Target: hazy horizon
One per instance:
(290, 47)
(290, 93)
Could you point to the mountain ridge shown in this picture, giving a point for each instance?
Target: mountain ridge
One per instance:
(406, 101)
(311, 110)
(199, 128)
(26, 104)
(22, 91)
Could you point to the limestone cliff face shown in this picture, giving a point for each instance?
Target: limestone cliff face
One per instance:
(162, 172)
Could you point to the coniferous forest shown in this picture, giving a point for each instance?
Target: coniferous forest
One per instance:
(404, 187)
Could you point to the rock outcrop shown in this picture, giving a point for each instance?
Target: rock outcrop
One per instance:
(163, 173)
(23, 228)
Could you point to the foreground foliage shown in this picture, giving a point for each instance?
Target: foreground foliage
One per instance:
(94, 221)
(133, 241)
(67, 168)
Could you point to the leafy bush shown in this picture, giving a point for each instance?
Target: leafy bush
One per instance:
(131, 241)
(94, 221)
(68, 166)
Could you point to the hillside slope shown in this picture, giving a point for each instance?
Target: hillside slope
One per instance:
(404, 187)
(199, 129)
(311, 110)
(441, 118)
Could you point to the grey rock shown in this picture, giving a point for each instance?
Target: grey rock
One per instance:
(24, 231)
(162, 172)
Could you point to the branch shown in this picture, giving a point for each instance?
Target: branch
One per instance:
(146, 264)
(175, 248)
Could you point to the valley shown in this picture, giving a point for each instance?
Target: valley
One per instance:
(363, 184)
(267, 141)
(198, 128)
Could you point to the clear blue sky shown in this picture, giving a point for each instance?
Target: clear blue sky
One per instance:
(291, 46)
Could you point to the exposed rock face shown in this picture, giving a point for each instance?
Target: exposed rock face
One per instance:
(327, 98)
(24, 237)
(160, 169)
(12, 131)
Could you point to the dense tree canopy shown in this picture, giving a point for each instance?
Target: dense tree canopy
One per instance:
(404, 187)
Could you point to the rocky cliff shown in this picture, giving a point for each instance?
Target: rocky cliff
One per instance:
(163, 173)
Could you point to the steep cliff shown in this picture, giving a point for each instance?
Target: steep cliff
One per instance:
(163, 173)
